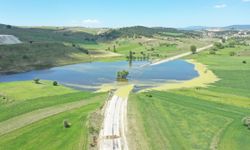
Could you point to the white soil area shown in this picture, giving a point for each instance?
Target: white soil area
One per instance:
(9, 39)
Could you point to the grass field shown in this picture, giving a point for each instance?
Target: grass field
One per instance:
(154, 47)
(50, 134)
(206, 118)
(24, 90)
(33, 114)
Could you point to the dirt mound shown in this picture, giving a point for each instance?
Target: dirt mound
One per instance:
(8, 39)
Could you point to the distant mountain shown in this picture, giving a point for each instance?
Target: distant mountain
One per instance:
(195, 28)
(234, 27)
(238, 27)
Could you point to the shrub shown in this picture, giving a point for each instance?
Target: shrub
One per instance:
(212, 52)
(232, 53)
(193, 49)
(244, 62)
(55, 83)
(149, 95)
(25, 57)
(66, 124)
(37, 80)
(218, 45)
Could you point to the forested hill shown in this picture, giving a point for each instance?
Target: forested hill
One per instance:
(67, 34)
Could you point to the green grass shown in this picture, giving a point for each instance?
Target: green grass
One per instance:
(50, 134)
(24, 90)
(20, 107)
(197, 119)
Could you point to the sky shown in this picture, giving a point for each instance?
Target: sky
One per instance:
(121, 13)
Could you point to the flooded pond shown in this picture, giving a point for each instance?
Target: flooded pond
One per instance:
(90, 76)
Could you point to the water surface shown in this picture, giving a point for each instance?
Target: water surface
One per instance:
(92, 75)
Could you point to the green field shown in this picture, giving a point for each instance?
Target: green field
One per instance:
(33, 114)
(50, 133)
(207, 118)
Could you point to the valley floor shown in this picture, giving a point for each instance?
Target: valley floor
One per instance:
(197, 117)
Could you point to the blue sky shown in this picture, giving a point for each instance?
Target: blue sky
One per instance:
(120, 13)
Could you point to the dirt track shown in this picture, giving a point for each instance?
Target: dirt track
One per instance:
(112, 136)
(181, 55)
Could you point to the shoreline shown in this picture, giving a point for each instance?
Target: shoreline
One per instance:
(205, 78)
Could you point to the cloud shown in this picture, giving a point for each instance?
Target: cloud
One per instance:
(219, 6)
(91, 21)
(245, 0)
(86, 23)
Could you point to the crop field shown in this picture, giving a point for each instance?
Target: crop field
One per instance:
(199, 118)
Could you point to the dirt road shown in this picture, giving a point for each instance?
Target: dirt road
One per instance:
(113, 134)
(180, 55)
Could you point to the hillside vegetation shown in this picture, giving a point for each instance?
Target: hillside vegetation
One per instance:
(45, 47)
(34, 114)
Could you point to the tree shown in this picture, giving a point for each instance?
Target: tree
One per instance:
(223, 40)
(122, 75)
(218, 45)
(193, 49)
(232, 53)
(8, 26)
(55, 83)
(114, 48)
(130, 57)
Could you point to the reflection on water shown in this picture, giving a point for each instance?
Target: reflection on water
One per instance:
(91, 75)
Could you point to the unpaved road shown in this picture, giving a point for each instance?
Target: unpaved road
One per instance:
(31, 117)
(113, 134)
(180, 55)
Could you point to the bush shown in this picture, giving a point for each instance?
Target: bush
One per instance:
(55, 83)
(232, 53)
(212, 52)
(37, 80)
(66, 124)
(218, 45)
(149, 95)
(25, 57)
(244, 62)
(193, 49)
